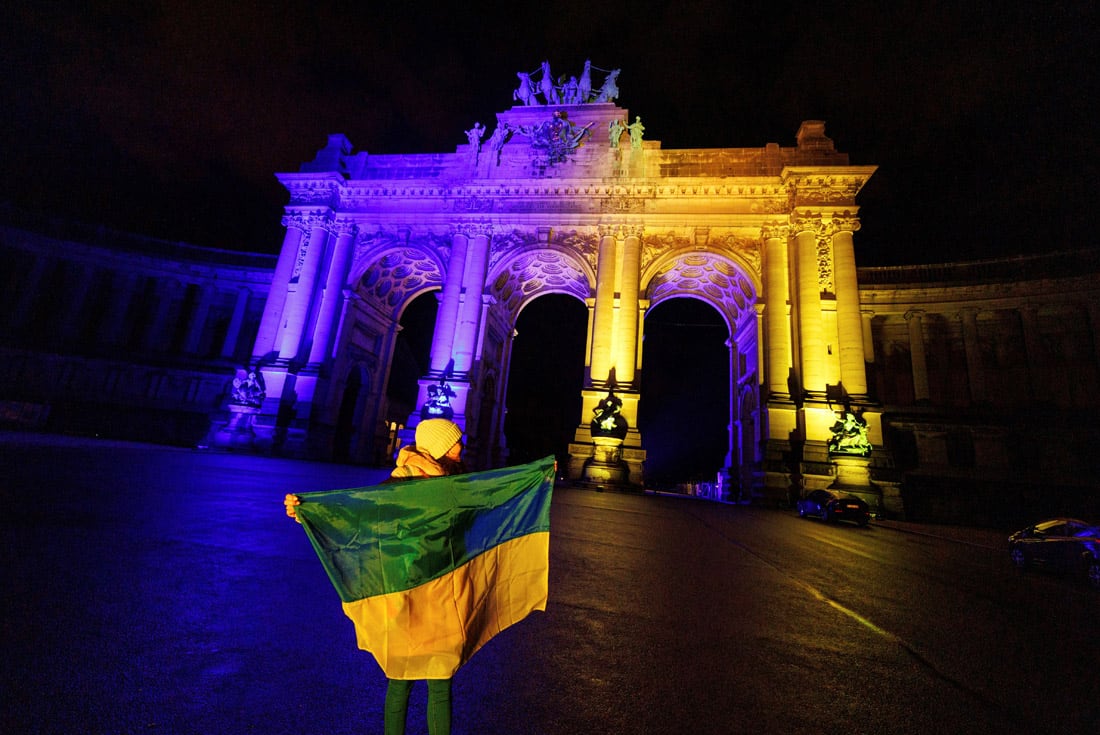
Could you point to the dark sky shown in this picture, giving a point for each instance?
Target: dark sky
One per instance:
(170, 118)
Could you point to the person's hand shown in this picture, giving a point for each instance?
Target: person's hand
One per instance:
(292, 502)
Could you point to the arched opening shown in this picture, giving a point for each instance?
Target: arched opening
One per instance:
(345, 418)
(684, 411)
(411, 356)
(545, 378)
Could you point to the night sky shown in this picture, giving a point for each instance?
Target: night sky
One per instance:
(170, 118)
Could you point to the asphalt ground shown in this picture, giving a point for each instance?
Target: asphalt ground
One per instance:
(159, 590)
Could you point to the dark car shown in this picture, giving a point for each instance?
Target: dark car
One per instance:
(830, 506)
(1063, 544)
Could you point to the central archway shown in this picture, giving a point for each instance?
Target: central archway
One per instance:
(684, 412)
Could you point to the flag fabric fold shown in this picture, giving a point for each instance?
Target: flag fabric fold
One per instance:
(430, 570)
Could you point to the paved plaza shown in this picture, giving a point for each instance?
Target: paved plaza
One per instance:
(162, 590)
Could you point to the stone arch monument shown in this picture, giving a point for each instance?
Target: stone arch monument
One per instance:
(547, 200)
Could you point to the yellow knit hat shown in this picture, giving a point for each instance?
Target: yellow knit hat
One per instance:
(437, 436)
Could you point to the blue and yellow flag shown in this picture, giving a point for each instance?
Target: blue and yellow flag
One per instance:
(430, 570)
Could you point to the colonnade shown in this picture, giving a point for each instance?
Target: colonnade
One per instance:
(968, 326)
(174, 316)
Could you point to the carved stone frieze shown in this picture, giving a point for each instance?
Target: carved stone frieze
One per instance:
(622, 205)
(314, 192)
(809, 189)
(508, 242)
(746, 247)
(654, 246)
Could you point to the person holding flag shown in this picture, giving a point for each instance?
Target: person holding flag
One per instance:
(429, 570)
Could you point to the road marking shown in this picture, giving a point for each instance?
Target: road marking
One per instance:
(850, 549)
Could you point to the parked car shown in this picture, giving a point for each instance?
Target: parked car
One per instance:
(1064, 544)
(830, 506)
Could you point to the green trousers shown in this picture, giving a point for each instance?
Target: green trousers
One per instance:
(439, 706)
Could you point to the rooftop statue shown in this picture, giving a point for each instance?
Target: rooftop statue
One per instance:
(636, 129)
(475, 134)
(546, 85)
(615, 130)
(570, 90)
(526, 91)
(610, 89)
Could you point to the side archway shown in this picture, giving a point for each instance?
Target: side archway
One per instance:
(731, 286)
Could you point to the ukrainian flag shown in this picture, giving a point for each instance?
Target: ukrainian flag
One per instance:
(430, 570)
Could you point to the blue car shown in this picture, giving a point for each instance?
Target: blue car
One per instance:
(1063, 544)
(830, 506)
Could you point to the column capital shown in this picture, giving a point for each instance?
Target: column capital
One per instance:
(806, 222)
(473, 229)
(304, 220)
(620, 231)
(914, 314)
(775, 231)
(842, 223)
(344, 226)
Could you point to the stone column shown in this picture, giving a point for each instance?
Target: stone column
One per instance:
(198, 319)
(810, 327)
(229, 344)
(917, 355)
(603, 312)
(446, 321)
(626, 335)
(156, 335)
(324, 332)
(302, 292)
(123, 285)
(1032, 350)
(759, 309)
(1094, 324)
(29, 290)
(868, 336)
(777, 309)
(470, 309)
(853, 371)
(268, 334)
(974, 369)
(74, 314)
(733, 424)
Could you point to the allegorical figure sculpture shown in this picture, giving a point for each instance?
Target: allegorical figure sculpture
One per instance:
(497, 139)
(557, 137)
(248, 389)
(636, 130)
(850, 436)
(438, 405)
(615, 132)
(607, 420)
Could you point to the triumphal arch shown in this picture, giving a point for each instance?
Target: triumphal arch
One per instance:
(565, 194)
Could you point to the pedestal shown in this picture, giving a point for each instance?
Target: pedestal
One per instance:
(606, 466)
(238, 432)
